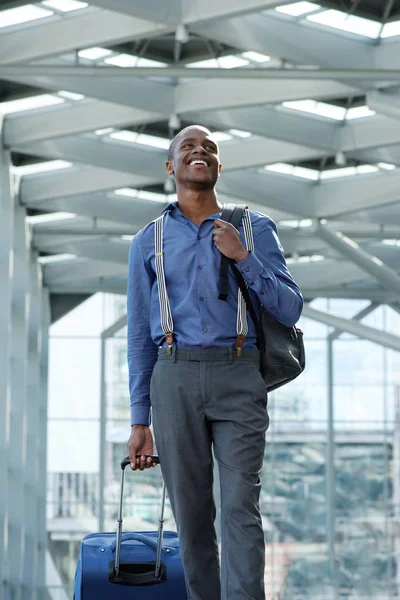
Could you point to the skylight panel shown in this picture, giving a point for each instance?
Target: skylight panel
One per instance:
(23, 14)
(322, 109)
(256, 57)
(141, 195)
(23, 104)
(295, 171)
(298, 8)
(122, 60)
(128, 192)
(94, 53)
(223, 62)
(50, 217)
(221, 136)
(240, 133)
(391, 242)
(153, 141)
(125, 136)
(359, 112)
(296, 223)
(231, 62)
(65, 5)
(151, 196)
(71, 95)
(386, 166)
(341, 20)
(305, 259)
(42, 167)
(391, 29)
(105, 131)
(147, 62)
(44, 260)
(348, 171)
(210, 63)
(141, 138)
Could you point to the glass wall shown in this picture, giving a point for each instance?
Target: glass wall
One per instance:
(318, 545)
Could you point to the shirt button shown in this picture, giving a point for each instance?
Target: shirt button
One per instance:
(200, 267)
(247, 269)
(205, 329)
(201, 299)
(199, 237)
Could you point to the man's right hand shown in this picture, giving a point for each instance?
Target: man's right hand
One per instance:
(140, 442)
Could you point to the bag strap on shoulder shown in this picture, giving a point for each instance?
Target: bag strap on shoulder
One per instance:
(232, 213)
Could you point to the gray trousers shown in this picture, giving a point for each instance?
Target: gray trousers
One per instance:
(200, 399)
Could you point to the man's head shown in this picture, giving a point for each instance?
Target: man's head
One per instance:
(193, 157)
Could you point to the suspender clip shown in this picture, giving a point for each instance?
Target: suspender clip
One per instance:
(170, 341)
(239, 344)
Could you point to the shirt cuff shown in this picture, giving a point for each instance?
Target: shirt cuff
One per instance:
(250, 267)
(140, 414)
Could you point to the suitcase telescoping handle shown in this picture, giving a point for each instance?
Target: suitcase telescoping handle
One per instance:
(124, 464)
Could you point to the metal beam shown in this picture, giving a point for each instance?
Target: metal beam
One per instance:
(72, 32)
(300, 44)
(335, 198)
(72, 119)
(368, 263)
(231, 93)
(357, 317)
(135, 159)
(147, 95)
(166, 13)
(256, 73)
(76, 181)
(382, 338)
(384, 103)
(275, 122)
(211, 10)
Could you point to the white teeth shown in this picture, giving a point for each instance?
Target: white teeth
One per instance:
(198, 162)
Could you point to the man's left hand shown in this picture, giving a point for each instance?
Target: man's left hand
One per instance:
(227, 239)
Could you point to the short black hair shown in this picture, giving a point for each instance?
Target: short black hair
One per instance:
(172, 146)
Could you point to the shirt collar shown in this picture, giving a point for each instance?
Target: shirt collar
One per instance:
(174, 205)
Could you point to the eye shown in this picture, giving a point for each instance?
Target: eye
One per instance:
(212, 148)
(187, 145)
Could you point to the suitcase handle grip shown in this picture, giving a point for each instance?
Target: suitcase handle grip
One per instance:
(135, 536)
(127, 460)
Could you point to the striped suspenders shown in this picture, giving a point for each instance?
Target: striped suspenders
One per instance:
(167, 323)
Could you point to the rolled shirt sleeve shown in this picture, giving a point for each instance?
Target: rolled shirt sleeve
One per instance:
(266, 273)
(142, 351)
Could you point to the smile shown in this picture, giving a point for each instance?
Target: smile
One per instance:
(198, 162)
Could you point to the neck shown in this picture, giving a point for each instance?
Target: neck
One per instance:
(198, 205)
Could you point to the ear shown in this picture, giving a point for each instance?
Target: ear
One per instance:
(170, 167)
(219, 170)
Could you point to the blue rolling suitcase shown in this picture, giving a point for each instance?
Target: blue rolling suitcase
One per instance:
(134, 566)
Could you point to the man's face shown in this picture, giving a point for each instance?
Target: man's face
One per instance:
(196, 159)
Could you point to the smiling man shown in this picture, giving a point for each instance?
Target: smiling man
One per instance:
(204, 394)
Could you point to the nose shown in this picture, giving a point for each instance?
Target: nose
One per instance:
(199, 149)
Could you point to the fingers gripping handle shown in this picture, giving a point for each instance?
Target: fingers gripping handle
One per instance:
(127, 460)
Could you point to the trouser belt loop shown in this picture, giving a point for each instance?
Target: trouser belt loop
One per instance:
(230, 356)
(174, 354)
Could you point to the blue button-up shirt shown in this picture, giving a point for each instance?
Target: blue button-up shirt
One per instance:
(201, 320)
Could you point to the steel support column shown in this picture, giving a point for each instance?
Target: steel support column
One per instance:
(330, 475)
(17, 515)
(6, 266)
(35, 492)
(45, 320)
(106, 334)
